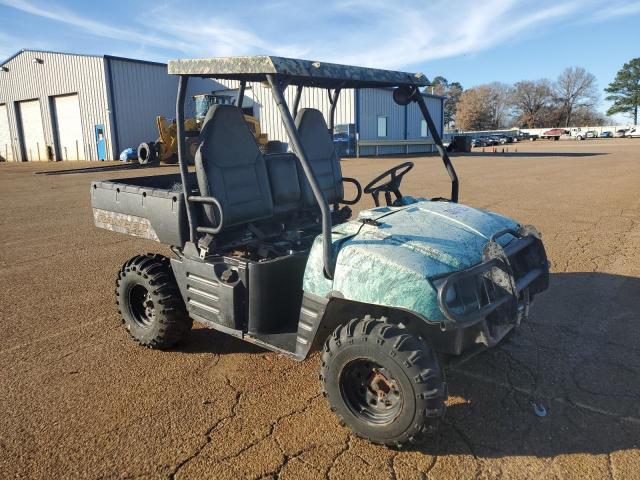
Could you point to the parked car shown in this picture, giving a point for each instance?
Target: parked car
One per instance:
(502, 139)
(621, 133)
(633, 133)
(606, 134)
(588, 134)
(522, 136)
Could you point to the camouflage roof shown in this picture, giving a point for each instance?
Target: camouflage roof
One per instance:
(299, 72)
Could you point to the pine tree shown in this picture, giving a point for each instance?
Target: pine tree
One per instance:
(625, 90)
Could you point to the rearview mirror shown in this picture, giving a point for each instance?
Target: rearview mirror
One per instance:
(403, 95)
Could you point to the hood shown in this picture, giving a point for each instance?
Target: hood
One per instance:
(389, 260)
(449, 234)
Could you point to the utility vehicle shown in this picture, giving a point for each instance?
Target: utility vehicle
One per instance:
(263, 250)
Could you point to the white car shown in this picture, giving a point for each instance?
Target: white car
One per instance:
(581, 135)
(633, 133)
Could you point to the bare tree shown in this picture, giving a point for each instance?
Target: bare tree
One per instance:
(483, 107)
(472, 112)
(498, 95)
(575, 88)
(530, 101)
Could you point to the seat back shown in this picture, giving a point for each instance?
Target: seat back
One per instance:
(285, 183)
(230, 167)
(321, 155)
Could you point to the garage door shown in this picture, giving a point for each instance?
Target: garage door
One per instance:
(69, 127)
(31, 123)
(6, 152)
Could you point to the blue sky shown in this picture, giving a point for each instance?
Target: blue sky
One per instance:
(467, 41)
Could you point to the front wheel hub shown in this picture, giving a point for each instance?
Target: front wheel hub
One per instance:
(371, 392)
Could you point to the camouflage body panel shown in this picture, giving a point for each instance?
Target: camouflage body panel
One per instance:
(123, 223)
(301, 72)
(391, 263)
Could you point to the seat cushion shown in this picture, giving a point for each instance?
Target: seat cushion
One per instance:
(322, 156)
(284, 182)
(230, 167)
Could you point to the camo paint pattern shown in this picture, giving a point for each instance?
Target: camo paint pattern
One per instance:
(256, 67)
(123, 223)
(390, 264)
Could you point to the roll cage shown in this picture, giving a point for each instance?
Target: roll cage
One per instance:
(280, 73)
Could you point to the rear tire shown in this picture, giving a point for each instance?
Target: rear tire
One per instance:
(383, 382)
(150, 303)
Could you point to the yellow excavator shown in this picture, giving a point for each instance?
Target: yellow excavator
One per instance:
(165, 149)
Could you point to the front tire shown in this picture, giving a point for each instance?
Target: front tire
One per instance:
(149, 302)
(383, 382)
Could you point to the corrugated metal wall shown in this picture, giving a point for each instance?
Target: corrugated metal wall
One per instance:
(372, 102)
(141, 92)
(414, 122)
(267, 111)
(403, 123)
(57, 74)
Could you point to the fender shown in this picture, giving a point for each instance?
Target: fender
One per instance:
(319, 316)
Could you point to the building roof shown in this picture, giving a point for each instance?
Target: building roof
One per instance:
(298, 72)
(124, 59)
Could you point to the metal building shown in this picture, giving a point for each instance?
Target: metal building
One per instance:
(62, 106)
(379, 125)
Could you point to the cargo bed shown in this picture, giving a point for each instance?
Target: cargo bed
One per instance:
(151, 207)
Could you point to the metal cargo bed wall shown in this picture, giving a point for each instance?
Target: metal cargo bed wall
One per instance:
(267, 112)
(139, 92)
(42, 75)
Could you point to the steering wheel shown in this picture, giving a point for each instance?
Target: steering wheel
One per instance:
(375, 186)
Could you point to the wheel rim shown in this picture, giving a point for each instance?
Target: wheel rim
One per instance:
(142, 307)
(371, 392)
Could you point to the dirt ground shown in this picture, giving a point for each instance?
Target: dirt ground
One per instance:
(79, 399)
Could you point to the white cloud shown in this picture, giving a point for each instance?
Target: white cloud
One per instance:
(400, 34)
(93, 27)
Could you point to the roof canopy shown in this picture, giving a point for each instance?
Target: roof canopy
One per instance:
(298, 72)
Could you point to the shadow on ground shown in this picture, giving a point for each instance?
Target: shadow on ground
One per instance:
(206, 340)
(499, 153)
(578, 356)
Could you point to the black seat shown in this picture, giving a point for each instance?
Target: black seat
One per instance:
(322, 156)
(230, 167)
(285, 183)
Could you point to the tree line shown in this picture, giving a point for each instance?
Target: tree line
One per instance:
(569, 100)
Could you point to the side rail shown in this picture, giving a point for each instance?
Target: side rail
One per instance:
(209, 201)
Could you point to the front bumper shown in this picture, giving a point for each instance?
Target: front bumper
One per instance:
(489, 299)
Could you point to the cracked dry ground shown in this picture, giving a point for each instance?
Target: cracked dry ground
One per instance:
(78, 399)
